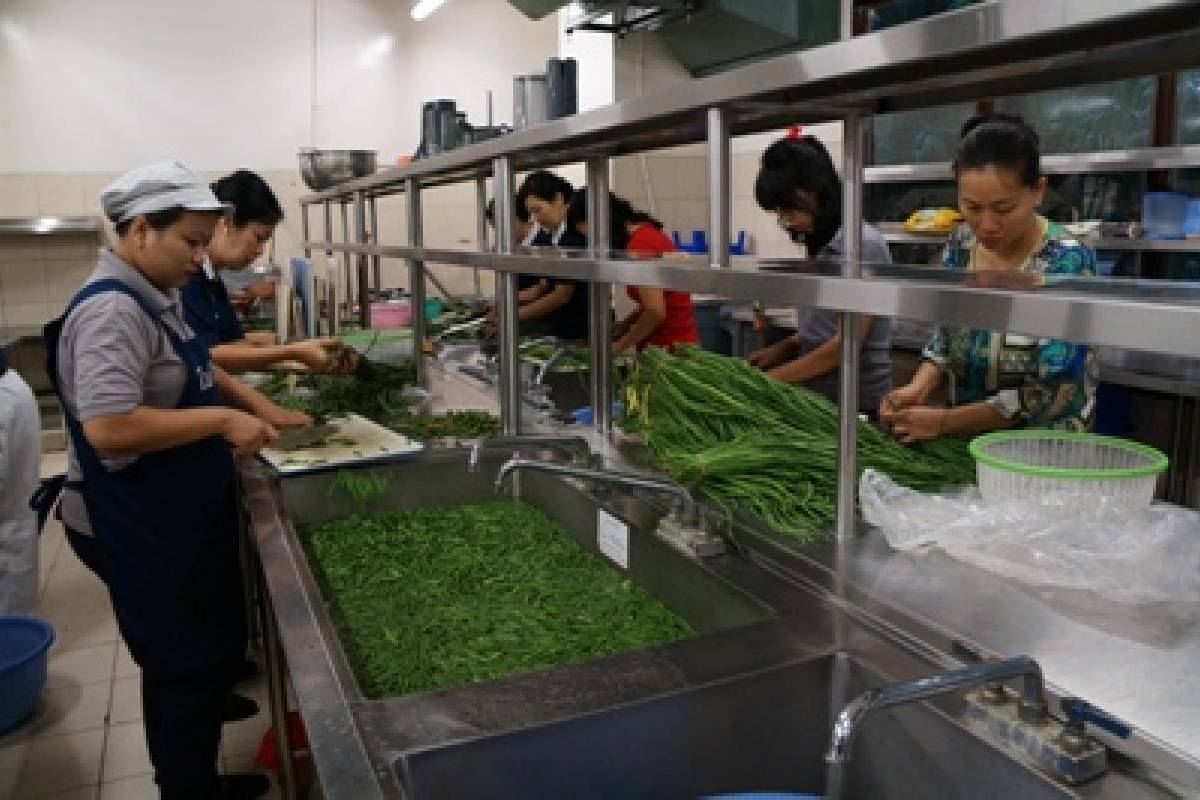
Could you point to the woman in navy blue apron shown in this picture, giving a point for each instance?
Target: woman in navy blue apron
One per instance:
(164, 526)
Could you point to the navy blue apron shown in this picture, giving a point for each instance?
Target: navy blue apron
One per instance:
(209, 312)
(166, 528)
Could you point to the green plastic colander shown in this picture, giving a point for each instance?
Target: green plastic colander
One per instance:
(1036, 464)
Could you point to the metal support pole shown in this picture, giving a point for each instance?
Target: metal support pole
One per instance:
(846, 21)
(364, 285)
(329, 263)
(304, 231)
(416, 277)
(719, 228)
(852, 165)
(376, 261)
(303, 291)
(347, 261)
(600, 297)
(506, 301)
(481, 225)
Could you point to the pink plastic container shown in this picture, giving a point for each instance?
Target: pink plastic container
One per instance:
(391, 314)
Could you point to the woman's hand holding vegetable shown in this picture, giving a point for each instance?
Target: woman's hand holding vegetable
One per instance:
(247, 433)
(323, 355)
(284, 418)
(899, 400)
(772, 355)
(919, 423)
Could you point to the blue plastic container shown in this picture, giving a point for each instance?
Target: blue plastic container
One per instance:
(699, 243)
(1163, 214)
(1191, 221)
(23, 645)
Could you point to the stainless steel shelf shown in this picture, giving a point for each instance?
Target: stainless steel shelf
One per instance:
(1146, 245)
(992, 48)
(1159, 316)
(40, 226)
(894, 232)
(1139, 160)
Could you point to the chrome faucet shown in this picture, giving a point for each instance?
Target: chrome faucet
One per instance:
(1031, 706)
(601, 476)
(574, 446)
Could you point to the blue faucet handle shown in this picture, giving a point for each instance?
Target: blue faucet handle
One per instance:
(1079, 711)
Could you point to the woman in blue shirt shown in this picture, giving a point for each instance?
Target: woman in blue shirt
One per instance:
(997, 379)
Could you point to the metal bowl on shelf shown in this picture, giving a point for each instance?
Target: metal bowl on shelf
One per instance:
(322, 169)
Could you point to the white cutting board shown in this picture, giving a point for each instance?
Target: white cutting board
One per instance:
(359, 440)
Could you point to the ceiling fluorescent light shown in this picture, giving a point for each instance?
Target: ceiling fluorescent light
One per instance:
(423, 8)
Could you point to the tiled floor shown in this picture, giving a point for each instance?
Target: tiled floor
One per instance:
(85, 741)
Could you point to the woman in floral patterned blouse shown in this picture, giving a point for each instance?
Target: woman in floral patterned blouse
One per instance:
(1000, 380)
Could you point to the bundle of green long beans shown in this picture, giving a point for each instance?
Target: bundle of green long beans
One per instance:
(748, 442)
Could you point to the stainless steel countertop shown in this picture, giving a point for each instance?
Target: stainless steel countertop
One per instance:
(1089, 646)
(1138, 662)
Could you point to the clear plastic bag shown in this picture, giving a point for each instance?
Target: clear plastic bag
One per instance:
(1144, 555)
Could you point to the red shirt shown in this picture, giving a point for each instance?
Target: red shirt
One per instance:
(680, 323)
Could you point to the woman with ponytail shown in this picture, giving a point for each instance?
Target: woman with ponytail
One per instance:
(798, 183)
(999, 379)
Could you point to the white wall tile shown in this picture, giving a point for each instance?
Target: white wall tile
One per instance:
(63, 279)
(18, 195)
(60, 194)
(23, 282)
(20, 249)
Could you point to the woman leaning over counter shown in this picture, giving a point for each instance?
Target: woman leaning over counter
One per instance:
(661, 317)
(150, 506)
(998, 379)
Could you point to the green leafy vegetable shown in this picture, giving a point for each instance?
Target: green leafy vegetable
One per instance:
(453, 424)
(445, 596)
(359, 484)
(753, 443)
(372, 390)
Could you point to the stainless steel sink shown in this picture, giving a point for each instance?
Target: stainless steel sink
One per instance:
(766, 730)
(744, 705)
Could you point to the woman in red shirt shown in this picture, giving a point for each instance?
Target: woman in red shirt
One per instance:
(663, 317)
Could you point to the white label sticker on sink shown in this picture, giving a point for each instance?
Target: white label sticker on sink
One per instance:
(612, 538)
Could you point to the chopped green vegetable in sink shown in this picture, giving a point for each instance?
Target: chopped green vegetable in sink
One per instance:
(445, 596)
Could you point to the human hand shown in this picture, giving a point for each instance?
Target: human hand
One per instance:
(896, 401)
(918, 423)
(246, 433)
(283, 418)
(323, 355)
(766, 357)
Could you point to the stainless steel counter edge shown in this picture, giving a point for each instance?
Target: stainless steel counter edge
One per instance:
(991, 48)
(339, 753)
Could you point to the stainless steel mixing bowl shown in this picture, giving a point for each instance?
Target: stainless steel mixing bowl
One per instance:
(322, 169)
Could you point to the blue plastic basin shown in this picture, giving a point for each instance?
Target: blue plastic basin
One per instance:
(23, 645)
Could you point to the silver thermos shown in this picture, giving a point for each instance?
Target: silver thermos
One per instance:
(529, 101)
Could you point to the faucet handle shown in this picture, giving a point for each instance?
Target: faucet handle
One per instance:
(1078, 711)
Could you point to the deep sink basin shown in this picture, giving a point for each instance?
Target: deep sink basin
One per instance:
(758, 732)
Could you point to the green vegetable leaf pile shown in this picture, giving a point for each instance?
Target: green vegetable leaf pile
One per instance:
(451, 425)
(445, 596)
(372, 390)
(749, 442)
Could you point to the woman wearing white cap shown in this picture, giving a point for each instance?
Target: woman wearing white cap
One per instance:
(153, 428)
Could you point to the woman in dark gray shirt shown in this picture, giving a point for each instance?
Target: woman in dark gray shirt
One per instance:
(797, 182)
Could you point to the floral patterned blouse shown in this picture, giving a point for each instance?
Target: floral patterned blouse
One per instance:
(1036, 383)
